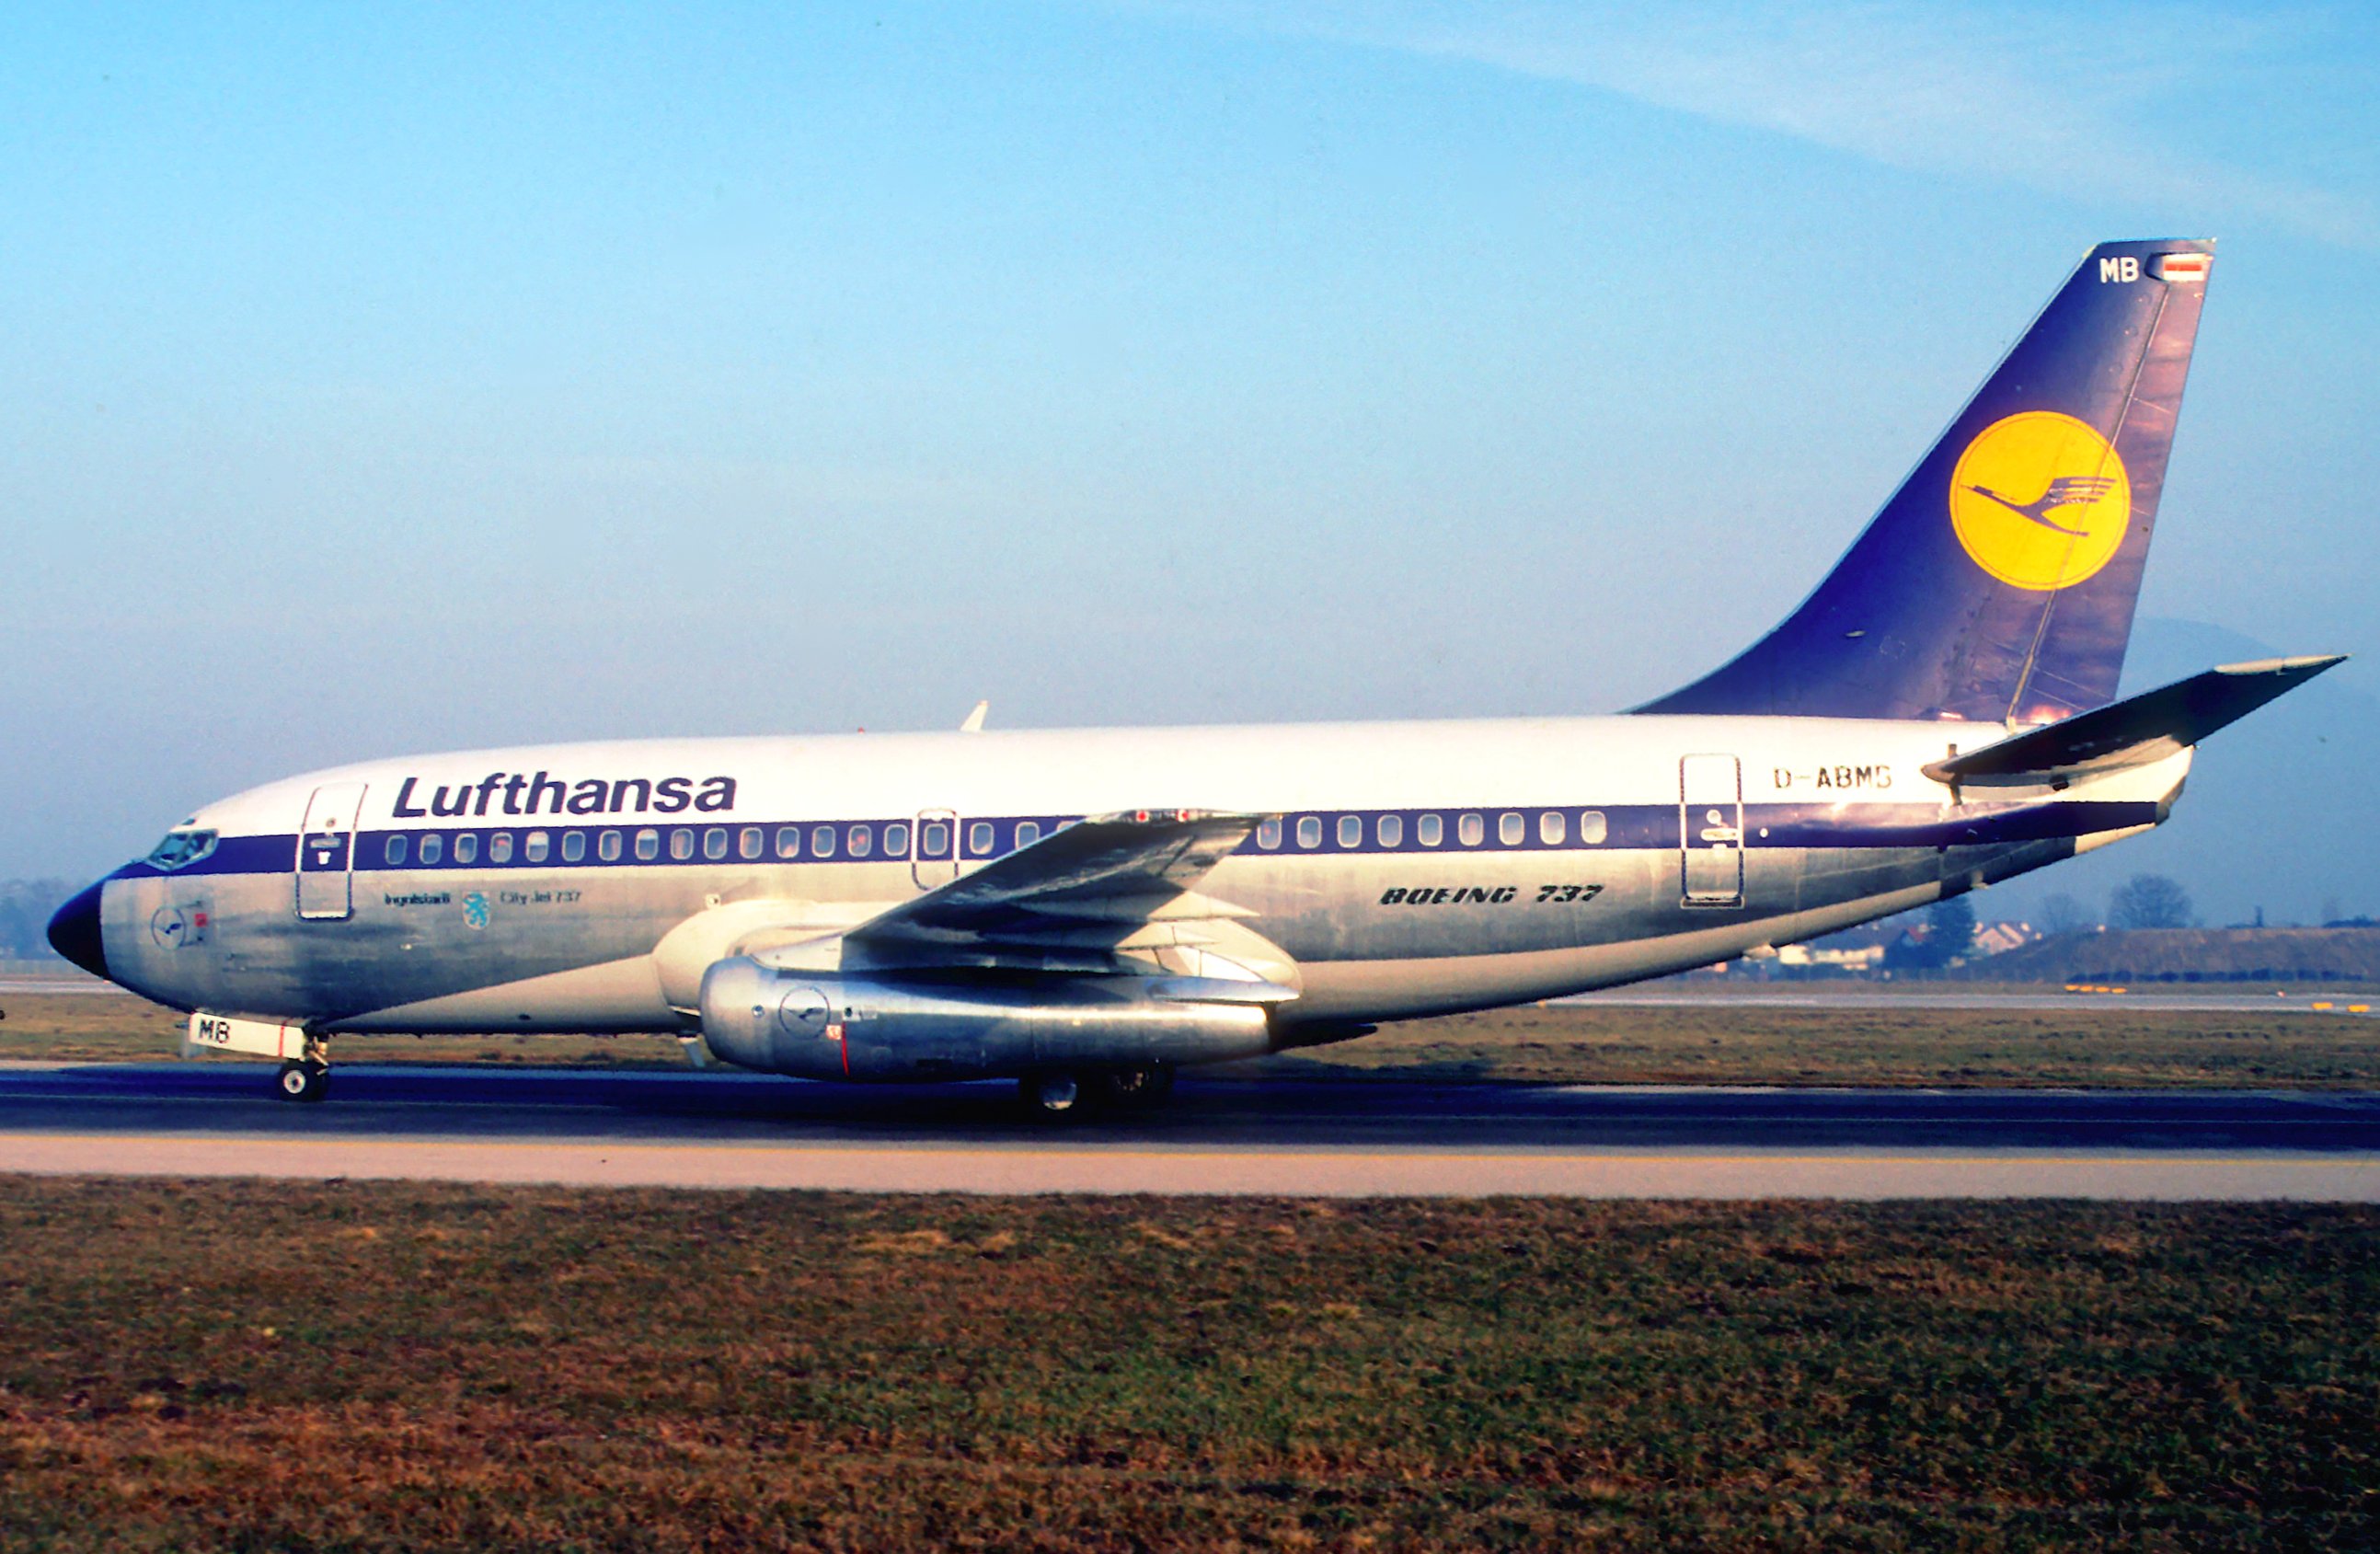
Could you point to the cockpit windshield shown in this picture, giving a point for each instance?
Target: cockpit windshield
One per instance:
(181, 848)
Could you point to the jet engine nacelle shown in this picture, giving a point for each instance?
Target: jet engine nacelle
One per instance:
(881, 1027)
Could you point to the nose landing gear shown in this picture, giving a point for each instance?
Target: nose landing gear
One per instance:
(304, 1081)
(307, 1077)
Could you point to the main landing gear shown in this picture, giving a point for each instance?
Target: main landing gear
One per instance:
(1056, 1093)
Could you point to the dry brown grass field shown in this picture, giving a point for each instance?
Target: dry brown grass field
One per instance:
(388, 1366)
(1877, 1039)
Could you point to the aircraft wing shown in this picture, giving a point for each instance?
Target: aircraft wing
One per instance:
(1070, 902)
(2136, 731)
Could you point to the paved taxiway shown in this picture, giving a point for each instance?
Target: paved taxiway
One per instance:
(1216, 1135)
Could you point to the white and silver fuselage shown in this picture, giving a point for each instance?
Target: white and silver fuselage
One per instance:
(1415, 867)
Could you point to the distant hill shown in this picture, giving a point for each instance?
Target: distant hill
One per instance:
(2332, 956)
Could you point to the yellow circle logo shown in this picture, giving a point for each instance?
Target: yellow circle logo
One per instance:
(2040, 501)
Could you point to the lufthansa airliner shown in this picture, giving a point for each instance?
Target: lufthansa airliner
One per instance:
(1088, 910)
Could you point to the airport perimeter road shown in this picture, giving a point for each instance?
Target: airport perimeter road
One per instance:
(1217, 1135)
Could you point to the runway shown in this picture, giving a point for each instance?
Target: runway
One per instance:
(1217, 1135)
(2036, 1001)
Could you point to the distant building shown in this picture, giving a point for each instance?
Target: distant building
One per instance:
(1998, 938)
(1856, 958)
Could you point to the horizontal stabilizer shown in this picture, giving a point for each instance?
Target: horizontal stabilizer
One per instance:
(2137, 731)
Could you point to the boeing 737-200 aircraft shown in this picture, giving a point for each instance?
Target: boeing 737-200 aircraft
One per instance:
(1087, 910)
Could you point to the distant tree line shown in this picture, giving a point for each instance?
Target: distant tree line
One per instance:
(2144, 901)
(25, 908)
(2150, 901)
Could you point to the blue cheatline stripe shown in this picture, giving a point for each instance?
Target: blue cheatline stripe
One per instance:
(1626, 828)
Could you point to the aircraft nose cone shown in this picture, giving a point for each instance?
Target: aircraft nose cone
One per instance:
(74, 932)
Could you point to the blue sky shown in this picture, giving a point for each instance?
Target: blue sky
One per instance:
(385, 380)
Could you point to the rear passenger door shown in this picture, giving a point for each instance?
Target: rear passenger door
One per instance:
(1710, 830)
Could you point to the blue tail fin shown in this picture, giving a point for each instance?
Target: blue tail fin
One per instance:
(1998, 584)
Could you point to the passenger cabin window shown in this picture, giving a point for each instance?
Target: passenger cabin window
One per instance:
(1551, 828)
(1028, 832)
(714, 843)
(1309, 831)
(681, 844)
(534, 846)
(395, 852)
(934, 840)
(896, 841)
(574, 846)
(1430, 831)
(607, 847)
(821, 842)
(860, 840)
(466, 847)
(749, 843)
(1511, 829)
(1351, 831)
(1591, 828)
(979, 838)
(1392, 831)
(649, 845)
(433, 846)
(1269, 833)
(789, 842)
(1472, 829)
(500, 847)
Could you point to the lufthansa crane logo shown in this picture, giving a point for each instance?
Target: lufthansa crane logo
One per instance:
(2040, 501)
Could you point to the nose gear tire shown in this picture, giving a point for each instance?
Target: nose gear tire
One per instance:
(301, 1080)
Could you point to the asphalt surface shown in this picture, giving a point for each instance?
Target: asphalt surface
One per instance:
(1875, 1000)
(217, 1118)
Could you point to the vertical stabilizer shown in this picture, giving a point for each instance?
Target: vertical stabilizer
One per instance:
(1997, 584)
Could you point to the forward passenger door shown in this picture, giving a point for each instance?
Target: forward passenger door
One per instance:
(326, 852)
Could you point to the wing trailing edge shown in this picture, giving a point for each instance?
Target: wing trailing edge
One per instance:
(1112, 893)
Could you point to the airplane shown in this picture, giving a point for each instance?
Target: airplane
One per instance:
(1088, 911)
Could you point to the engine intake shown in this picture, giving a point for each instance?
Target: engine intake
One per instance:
(826, 1027)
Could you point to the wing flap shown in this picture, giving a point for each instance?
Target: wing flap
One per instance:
(1102, 895)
